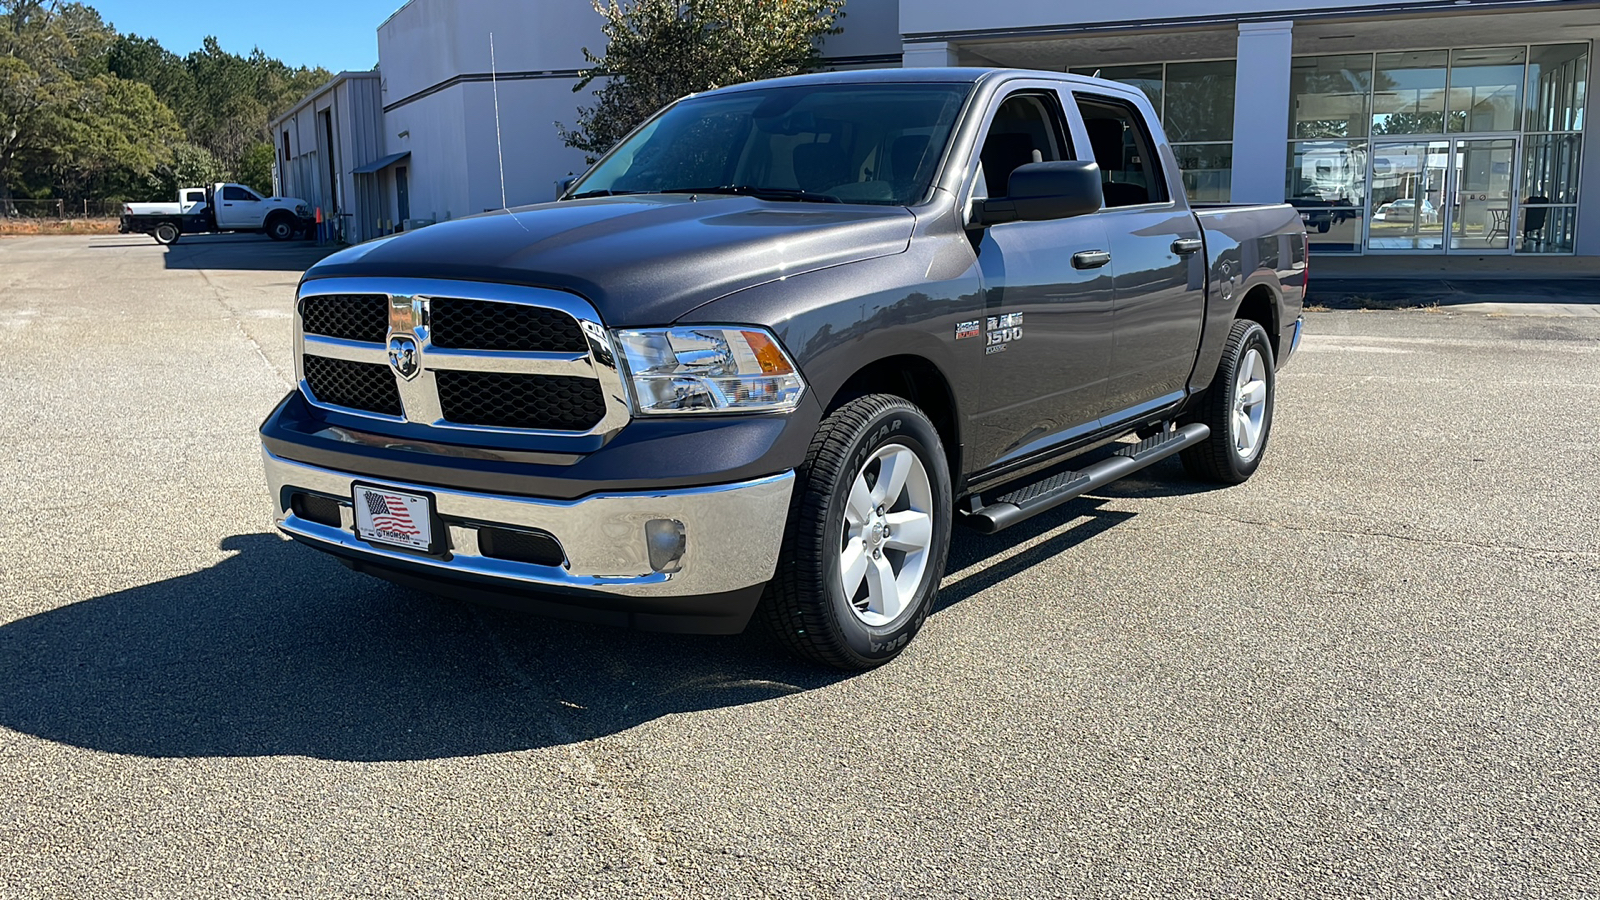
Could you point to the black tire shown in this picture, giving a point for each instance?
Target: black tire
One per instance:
(805, 605)
(1218, 458)
(280, 228)
(167, 233)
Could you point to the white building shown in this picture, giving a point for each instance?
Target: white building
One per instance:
(1417, 127)
(321, 143)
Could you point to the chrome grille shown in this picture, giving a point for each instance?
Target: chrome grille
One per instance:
(352, 317)
(474, 356)
(354, 385)
(483, 325)
(506, 400)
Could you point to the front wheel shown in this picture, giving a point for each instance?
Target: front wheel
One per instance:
(280, 229)
(1238, 408)
(867, 537)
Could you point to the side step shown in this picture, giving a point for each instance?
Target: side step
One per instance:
(1029, 500)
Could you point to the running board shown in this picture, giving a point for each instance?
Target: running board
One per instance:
(1029, 500)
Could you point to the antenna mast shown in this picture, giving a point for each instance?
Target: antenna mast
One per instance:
(494, 82)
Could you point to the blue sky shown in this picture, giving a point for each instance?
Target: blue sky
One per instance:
(336, 34)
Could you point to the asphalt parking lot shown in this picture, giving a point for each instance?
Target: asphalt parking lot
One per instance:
(1374, 670)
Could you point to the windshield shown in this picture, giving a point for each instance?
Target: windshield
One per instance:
(849, 143)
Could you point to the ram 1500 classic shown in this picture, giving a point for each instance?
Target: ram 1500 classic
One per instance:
(769, 351)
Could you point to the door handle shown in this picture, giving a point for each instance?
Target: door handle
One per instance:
(1186, 246)
(1090, 259)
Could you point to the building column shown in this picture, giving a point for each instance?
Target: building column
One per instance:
(1587, 240)
(1261, 111)
(928, 54)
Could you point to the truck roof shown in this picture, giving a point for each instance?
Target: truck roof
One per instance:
(951, 75)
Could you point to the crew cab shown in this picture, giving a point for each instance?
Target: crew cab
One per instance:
(219, 207)
(766, 354)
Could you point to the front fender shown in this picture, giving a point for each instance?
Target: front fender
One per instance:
(836, 322)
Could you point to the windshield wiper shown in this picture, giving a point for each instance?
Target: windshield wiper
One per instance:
(761, 193)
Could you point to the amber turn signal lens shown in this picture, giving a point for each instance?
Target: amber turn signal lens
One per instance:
(768, 355)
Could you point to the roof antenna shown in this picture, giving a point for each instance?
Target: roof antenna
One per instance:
(494, 81)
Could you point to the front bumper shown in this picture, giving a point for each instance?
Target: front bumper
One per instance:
(731, 535)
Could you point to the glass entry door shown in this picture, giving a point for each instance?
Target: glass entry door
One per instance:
(1436, 196)
(1480, 195)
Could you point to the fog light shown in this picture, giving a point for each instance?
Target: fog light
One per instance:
(666, 540)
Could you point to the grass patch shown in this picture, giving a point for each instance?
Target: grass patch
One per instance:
(1366, 303)
(57, 226)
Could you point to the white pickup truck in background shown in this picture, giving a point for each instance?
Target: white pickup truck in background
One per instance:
(219, 207)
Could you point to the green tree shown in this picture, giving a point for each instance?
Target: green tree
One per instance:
(660, 50)
(255, 168)
(191, 166)
(144, 59)
(115, 139)
(54, 87)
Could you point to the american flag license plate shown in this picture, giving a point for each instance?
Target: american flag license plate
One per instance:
(385, 516)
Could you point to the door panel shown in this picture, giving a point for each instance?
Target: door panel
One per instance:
(1160, 282)
(239, 208)
(1046, 329)
(1481, 188)
(1160, 305)
(1043, 371)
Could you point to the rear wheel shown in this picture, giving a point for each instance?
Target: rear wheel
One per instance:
(868, 533)
(167, 233)
(1238, 408)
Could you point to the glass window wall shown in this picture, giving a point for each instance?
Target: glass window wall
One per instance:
(1486, 89)
(1328, 184)
(1408, 92)
(1558, 79)
(1332, 96)
(1408, 181)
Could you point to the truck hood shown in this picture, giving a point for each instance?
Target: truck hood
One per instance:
(641, 260)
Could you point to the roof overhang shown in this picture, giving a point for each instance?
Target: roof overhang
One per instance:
(379, 165)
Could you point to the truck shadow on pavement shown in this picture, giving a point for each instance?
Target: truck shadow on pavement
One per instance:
(278, 650)
(252, 252)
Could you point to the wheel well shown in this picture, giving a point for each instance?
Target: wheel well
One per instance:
(1258, 306)
(917, 380)
(278, 215)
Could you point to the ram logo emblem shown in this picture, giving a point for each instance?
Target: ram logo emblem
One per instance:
(403, 357)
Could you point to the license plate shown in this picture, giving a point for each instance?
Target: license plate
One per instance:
(385, 516)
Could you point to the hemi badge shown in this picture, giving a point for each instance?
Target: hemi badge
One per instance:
(966, 330)
(402, 315)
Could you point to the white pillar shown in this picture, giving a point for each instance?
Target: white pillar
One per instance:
(1261, 111)
(929, 54)
(1587, 242)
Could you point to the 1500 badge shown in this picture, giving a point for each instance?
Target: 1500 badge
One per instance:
(1002, 331)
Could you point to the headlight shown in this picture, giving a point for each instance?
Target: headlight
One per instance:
(699, 369)
(300, 209)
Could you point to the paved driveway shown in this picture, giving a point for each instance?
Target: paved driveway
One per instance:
(1372, 671)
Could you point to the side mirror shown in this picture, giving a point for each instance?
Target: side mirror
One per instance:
(1045, 190)
(562, 184)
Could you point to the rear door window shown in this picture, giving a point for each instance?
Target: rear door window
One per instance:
(1129, 172)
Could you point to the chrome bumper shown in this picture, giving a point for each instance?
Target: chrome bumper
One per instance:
(731, 533)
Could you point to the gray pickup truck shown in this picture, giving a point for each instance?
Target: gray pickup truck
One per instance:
(767, 352)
